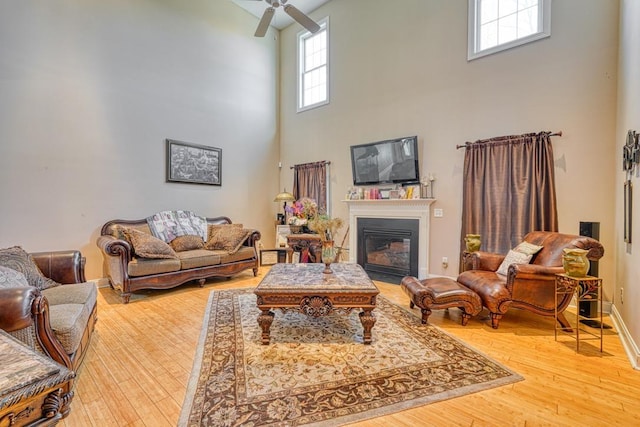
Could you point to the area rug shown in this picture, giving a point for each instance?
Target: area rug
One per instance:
(317, 371)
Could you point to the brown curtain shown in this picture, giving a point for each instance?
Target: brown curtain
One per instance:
(509, 190)
(310, 180)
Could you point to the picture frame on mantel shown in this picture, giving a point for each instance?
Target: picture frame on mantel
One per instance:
(193, 163)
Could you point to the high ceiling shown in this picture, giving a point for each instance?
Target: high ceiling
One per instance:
(280, 19)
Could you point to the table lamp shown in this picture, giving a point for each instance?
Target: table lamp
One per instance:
(284, 197)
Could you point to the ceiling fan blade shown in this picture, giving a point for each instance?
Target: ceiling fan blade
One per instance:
(264, 23)
(301, 18)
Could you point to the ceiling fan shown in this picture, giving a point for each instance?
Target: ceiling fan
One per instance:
(291, 10)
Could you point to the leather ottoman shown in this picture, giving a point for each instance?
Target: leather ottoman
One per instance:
(438, 293)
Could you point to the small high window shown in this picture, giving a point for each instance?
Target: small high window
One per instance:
(496, 25)
(313, 63)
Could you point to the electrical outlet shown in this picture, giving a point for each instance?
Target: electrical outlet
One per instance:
(438, 213)
(445, 262)
(621, 295)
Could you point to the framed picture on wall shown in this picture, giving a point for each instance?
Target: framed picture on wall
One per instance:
(193, 163)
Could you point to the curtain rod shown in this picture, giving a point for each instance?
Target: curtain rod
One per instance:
(559, 133)
(326, 162)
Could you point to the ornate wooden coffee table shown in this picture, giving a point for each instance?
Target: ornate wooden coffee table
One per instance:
(305, 288)
(31, 386)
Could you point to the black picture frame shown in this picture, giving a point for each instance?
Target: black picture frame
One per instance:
(193, 163)
(628, 210)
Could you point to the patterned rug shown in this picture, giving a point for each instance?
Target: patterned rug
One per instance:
(316, 371)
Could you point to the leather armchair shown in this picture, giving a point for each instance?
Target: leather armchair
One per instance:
(29, 314)
(526, 286)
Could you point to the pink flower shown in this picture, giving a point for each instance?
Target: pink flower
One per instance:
(304, 208)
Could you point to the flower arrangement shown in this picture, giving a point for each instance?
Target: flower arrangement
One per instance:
(302, 211)
(325, 226)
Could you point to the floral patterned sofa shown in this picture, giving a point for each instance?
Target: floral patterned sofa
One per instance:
(137, 257)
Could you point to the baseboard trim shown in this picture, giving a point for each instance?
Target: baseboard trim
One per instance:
(630, 347)
(101, 282)
(606, 306)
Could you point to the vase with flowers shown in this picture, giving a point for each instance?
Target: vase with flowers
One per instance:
(326, 227)
(300, 213)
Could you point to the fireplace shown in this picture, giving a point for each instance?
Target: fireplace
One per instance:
(388, 247)
(416, 210)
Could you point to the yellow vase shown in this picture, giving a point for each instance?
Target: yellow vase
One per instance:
(575, 262)
(472, 242)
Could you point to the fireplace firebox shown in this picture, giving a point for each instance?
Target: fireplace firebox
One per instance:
(388, 247)
(415, 209)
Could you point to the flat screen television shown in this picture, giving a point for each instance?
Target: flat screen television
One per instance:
(394, 161)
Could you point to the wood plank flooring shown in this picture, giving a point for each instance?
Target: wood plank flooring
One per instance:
(140, 358)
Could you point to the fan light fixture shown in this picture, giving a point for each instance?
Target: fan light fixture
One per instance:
(290, 10)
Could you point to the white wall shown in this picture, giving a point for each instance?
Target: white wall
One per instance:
(628, 267)
(399, 68)
(89, 90)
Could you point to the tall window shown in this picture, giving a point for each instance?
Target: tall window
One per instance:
(496, 25)
(313, 62)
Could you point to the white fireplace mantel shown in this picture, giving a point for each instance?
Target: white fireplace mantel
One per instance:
(419, 209)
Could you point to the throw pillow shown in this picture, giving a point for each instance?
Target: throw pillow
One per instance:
(228, 239)
(513, 257)
(187, 243)
(10, 278)
(528, 248)
(214, 229)
(147, 246)
(18, 259)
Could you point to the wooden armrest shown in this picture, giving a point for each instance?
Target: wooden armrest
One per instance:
(253, 238)
(111, 246)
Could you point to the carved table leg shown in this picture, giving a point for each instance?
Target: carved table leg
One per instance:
(264, 320)
(368, 320)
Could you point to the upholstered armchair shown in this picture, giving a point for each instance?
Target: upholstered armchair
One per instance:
(57, 321)
(526, 286)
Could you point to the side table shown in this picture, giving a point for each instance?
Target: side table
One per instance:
(467, 261)
(584, 289)
(31, 386)
(309, 246)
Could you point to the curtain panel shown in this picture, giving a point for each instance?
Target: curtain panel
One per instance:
(508, 190)
(310, 180)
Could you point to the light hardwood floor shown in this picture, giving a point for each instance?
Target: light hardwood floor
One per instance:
(138, 365)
